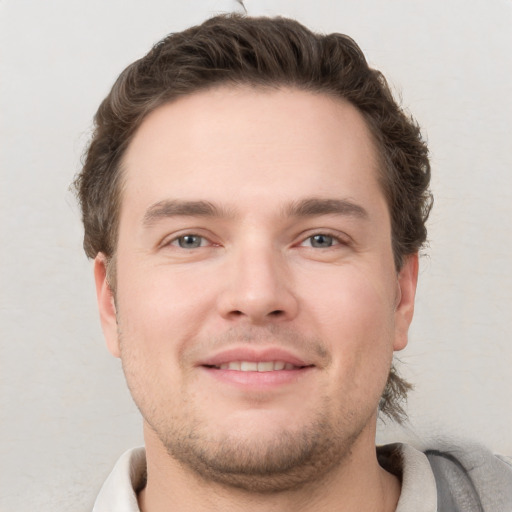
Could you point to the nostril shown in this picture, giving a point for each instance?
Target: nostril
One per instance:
(275, 314)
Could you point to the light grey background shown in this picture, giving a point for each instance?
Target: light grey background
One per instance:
(64, 411)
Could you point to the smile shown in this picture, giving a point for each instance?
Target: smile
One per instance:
(254, 369)
(256, 366)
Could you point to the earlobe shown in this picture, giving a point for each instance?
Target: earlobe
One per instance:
(106, 305)
(407, 280)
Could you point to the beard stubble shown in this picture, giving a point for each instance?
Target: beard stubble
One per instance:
(291, 458)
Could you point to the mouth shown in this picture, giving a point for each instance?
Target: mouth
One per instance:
(257, 366)
(252, 368)
(252, 359)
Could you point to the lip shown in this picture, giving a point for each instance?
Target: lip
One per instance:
(258, 381)
(253, 354)
(254, 381)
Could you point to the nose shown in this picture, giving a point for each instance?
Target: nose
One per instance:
(258, 287)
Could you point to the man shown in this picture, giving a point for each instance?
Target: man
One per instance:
(254, 201)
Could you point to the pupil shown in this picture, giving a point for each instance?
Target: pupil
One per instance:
(322, 241)
(189, 241)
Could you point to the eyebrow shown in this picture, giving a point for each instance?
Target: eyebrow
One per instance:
(316, 206)
(309, 207)
(176, 208)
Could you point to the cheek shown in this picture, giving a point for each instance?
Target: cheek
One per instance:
(157, 314)
(351, 302)
(161, 297)
(356, 320)
(164, 312)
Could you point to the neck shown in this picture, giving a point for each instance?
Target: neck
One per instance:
(357, 483)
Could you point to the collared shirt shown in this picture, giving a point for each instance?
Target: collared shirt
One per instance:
(119, 492)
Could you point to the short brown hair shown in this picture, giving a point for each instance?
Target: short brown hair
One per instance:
(259, 52)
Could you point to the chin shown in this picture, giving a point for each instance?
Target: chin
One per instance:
(258, 460)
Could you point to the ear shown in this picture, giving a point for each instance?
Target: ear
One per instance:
(106, 305)
(407, 280)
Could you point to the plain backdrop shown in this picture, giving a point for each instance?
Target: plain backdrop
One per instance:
(65, 415)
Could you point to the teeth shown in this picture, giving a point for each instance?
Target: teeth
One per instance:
(261, 366)
(247, 366)
(267, 366)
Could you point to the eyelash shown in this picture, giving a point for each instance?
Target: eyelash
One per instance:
(176, 241)
(335, 240)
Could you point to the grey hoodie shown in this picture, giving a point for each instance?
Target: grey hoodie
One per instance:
(470, 478)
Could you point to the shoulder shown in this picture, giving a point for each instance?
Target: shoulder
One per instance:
(450, 476)
(470, 477)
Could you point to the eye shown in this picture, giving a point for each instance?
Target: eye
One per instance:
(320, 241)
(190, 241)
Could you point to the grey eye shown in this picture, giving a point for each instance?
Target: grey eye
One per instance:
(190, 241)
(321, 241)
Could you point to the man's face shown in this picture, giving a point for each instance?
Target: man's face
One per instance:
(257, 302)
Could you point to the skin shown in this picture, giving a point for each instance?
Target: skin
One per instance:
(266, 279)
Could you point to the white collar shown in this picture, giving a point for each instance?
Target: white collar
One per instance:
(118, 493)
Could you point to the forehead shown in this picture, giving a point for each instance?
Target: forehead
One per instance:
(230, 143)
